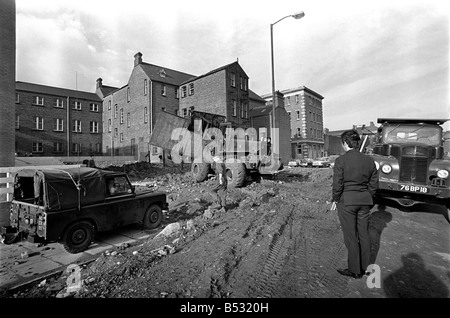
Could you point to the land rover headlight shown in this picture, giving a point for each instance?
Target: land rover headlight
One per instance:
(386, 169)
(377, 165)
(442, 174)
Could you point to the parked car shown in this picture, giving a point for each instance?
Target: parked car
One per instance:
(294, 163)
(323, 162)
(306, 162)
(70, 205)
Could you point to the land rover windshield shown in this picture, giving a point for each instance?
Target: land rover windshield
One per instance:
(402, 133)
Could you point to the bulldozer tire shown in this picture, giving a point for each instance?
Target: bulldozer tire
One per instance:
(236, 173)
(200, 171)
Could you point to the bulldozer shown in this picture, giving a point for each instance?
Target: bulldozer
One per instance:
(198, 137)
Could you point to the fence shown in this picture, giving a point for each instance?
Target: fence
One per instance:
(7, 183)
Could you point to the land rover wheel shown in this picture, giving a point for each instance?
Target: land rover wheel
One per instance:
(200, 171)
(447, 213)
(236, 173)
(153, 217)
(78, 237)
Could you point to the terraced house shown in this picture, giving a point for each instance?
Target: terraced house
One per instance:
(52, 121)
(130, 112)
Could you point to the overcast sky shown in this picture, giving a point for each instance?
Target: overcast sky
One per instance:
(368, 59)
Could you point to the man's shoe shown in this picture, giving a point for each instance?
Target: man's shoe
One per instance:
(347, 272)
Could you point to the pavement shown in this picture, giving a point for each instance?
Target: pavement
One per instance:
(24, 263)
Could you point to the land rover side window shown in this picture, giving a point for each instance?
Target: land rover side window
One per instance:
(118, 186)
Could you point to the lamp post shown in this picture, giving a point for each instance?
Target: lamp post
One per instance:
(297, 16)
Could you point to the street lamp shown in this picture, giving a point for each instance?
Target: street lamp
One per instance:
(297, 16)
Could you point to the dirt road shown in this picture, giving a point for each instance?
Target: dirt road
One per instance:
(276, 240)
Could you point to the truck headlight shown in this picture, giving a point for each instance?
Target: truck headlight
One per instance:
(442, 174)
(386, 169)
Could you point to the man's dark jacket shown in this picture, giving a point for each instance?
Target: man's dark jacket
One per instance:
(355, 179)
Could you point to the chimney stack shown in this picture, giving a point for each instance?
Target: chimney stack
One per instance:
(279, 99)
(99, 82)
(137, 58)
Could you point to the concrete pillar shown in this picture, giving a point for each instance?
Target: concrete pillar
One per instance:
(7, 94)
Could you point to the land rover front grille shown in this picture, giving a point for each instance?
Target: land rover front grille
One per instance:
(413, 169)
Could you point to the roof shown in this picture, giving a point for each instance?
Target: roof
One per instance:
(292, 90)
(254, 96)
(171, 76)
(412, 121)
(106, 90)
(210, 72)
(56, 91)
(260, 111)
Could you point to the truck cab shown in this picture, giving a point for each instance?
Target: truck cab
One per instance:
(412, 164)
(70, 205)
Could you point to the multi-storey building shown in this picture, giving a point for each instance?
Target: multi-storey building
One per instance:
(305, 109)
(130, 112)
(52, 121)
(223, 91)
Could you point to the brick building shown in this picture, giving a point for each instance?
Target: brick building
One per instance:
(223, 91)
(333, 143)
(52, 121)
(130, 112)
(7, 80)
(305, 109)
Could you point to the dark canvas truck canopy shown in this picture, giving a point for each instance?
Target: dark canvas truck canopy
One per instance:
(56, 189)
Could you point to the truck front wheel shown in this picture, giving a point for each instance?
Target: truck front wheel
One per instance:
(78, 237)
(200, 171)
(153, 217)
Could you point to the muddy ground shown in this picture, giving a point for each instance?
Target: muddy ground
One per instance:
(276, 239)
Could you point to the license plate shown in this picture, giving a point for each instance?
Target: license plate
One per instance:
(413, 188)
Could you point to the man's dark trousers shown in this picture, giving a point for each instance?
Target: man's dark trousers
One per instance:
(355, 226)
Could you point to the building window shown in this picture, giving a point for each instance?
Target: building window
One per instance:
(38, 101)
(183, 91)
(145, 115)
(121, 115)
(121, 137)
(299, 132)
(39, 123)
(17, 121)
(76, 147)
(93, 107)
(299, 150)
(128, 94)
(98, 148)
(109, 105)
(57, 147)
(177, 92)
(37, 147)
(116, 109)
(288, 100)
(310, 132)
(191, 89)
(163, 90)
(191, 109)
(17, 98)
(133, 145)
(176, 112)
(234, 108)
(311, 116)
(76, 126)
(58, 102)
(245, 110)
(296, 98)
(109, 125)
(185, 112)
(289, 113)
(77, 105)
(245, 84)
(298, 115)
(93, 127)
(145, 87)
(128, 120)
(233, 79)
(241, 82)
(58, 124)
(116, 132)
(242, 109)
(154, 150)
